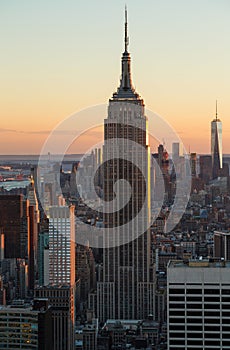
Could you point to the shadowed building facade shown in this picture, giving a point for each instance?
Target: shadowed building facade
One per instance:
(61, 300)
(216, 146)
(221, 245)
(126, 290)
(14, 221)
(24, 327)
(34, 219)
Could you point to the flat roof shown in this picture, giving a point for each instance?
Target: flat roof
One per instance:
(211, 263)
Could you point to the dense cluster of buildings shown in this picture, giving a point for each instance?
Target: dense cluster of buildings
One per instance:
(147, 288)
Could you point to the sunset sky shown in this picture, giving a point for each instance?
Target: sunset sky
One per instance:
(59, 57)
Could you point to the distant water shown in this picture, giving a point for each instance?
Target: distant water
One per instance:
(33, 159)
(9, 185)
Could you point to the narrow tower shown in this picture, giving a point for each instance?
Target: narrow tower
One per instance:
(216, 145)
(61, 245)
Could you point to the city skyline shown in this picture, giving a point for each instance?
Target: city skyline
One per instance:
(113, 237)
(58, 60)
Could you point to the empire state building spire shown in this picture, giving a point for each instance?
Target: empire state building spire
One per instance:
(126, 31)
(126, 89)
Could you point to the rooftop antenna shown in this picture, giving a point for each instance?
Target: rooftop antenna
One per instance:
(126, 30)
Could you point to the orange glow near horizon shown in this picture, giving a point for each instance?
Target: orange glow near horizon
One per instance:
(53, 64)
(12, 142)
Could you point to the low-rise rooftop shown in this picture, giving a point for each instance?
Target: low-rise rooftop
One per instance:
(204, 263)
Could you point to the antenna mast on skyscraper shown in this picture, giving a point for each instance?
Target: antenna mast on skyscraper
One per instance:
(126, 30)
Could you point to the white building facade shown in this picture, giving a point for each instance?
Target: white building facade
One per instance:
(61, 245)
(198, 300)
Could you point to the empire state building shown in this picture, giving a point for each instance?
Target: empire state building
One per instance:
(126, 287)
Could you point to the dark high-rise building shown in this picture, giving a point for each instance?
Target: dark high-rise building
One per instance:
(14, 222)
(160, 172)
(61, 299)
(2, 292)
(126, 290)
(2, 246)
(21, 279)
(206, 168)
(32, 247)
(34, 219)
(193, 160)
(23, 327)
(43, 253)
(85, 270)
(90, 337)
(44, 323)
(222, 245)
(216, 145)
